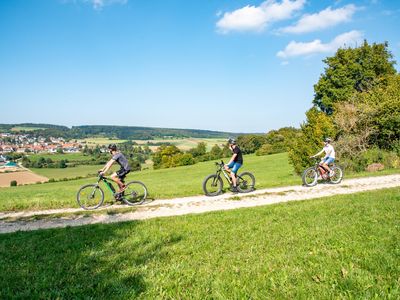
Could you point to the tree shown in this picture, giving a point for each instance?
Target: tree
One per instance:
(317, 127)
(353, 70)
(250, 143)
(199, 150)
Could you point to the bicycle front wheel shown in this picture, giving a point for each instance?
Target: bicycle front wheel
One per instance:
(212, 185)
(337, 175)
(246, 182)
(90, 196)
(310, 177)
(135, 193)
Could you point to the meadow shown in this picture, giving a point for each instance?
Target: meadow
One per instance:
(58, 156)
(185, 143)
(70, 172)
(333, 248)
(272, 170)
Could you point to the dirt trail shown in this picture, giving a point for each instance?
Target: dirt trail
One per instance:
(197, 204)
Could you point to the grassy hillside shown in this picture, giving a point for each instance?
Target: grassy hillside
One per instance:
(342, 247)
(273, 170)
(72, 172)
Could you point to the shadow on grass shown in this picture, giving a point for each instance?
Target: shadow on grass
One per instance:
(99, 261)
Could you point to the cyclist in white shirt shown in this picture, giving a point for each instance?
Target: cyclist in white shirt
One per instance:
(329, 156)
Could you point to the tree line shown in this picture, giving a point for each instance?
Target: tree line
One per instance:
(356, 103)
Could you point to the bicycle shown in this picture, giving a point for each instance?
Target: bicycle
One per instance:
(310, 175)
(91, 196)
(213, 184)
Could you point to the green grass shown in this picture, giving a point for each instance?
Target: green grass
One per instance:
(343, 247)
(70, 172)
(57, 157)
(269, 171)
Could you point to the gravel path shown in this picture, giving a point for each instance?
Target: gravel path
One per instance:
(197, 204)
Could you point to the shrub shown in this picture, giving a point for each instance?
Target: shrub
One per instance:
(13, 183)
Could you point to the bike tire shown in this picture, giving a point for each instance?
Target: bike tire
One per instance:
(246, 182)
(135, 193)
(212, 185)
(86, 196)
(311, 174)
(338, 176)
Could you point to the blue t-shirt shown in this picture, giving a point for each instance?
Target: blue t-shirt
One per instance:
(122, 161)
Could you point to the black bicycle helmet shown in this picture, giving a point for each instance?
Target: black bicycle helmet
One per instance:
(112, 147)
(232, 141)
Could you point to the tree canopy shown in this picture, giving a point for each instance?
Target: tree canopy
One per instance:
(353, 70)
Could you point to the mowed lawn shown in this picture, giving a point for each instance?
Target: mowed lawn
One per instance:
(272, 170)
(342, 247)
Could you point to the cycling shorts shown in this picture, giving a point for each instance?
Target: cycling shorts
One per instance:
(328, 160)
(121, 173)
(234, 166)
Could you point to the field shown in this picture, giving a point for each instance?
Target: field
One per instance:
(22, 177)
(331, 248)
(184, 144)
(71, 172)
(92, 142)
(273, 170)
(23, 128)
(57, 156)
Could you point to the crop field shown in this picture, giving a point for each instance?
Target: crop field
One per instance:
(23, 128)
(342, 247)
(21, 177)
(184, 144)
(92, 142)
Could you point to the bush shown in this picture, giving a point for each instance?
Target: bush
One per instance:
(264, 150)
(13, 183)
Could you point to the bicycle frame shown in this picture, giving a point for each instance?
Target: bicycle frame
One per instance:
(107, 182)
(317, 169)
(222, 170)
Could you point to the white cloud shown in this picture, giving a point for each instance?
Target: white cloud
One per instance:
(348, 39)
(324, 19)
(256, 18)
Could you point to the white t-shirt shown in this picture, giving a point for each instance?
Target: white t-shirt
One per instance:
(329, 151)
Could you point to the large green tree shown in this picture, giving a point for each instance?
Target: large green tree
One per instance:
(353, 70)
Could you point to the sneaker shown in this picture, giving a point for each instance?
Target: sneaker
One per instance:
(331, 173)
(234, 189)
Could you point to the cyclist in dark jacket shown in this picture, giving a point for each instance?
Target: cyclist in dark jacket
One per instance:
(118, 157)
(234, 163)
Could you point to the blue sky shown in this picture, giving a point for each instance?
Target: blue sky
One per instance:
(231, 65)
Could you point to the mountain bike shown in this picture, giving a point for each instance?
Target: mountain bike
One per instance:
(311, 175)
(91, 196)
(213, 184)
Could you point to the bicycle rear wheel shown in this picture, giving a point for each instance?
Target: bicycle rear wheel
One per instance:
(246, 182)
(90, 196)
(337, 176)
(212, 185)
(135, 193)
(310, 177)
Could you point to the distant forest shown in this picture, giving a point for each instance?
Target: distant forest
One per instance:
(118, 132)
